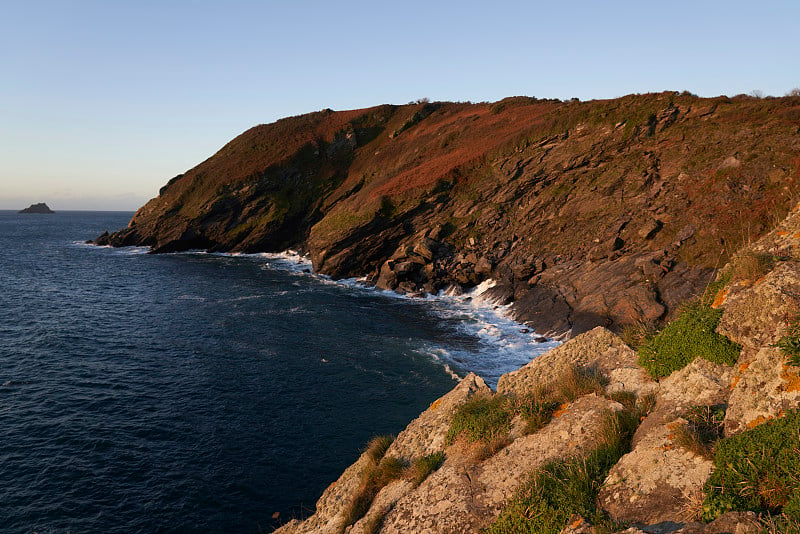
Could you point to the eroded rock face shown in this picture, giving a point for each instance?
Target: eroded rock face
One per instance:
(602, 223)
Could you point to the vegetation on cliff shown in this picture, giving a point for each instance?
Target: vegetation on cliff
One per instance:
(588, 213)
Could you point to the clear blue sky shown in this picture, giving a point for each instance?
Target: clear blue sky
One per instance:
(101, 102)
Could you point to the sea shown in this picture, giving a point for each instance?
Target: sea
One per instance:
(198, 392)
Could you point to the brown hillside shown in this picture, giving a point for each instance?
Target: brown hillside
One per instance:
(604, 212)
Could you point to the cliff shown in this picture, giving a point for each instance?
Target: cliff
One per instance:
(696, 432)
(607, 213)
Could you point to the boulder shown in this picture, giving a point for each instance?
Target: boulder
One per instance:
(764, 387)
(756, 315)
(599, 349)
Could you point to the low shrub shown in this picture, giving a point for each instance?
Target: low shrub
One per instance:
(758, 470)
(563, 488)
(691, 334)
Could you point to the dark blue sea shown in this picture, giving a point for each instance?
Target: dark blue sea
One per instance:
(204, 393)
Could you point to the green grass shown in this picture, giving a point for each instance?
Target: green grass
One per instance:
(486, 419)
(790, 343)
(481, 418)
(758, 470)
(423, 466)
(563, 488)
(691, 334)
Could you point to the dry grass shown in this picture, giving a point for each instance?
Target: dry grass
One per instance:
(752, 266)
(703, 428)
(379, 472)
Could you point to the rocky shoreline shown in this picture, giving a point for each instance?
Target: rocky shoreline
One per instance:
(661, 483)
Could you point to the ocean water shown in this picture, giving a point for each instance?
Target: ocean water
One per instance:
(205, 393)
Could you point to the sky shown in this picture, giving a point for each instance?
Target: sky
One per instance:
(102, 102)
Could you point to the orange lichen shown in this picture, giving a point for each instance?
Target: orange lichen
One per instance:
(758, 421)
(791, 377)
(781, 233)
(719, 300)
(435, 404)
(561, 410)
(796, 235)
(738, 376)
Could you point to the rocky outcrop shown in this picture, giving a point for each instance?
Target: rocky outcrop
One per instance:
(601, 213)
(41, 207)
(422, 436)
(659, 481)
(598, 350)
(462, 497)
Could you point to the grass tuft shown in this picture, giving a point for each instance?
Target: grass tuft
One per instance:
(482, 418)
(379, 472)
(691, 334)
(422, 467)
(703, 429)
(790, 343)
(378, 446)
(757, 470)
(751, 266)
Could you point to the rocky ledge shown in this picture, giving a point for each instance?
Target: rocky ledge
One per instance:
(41, 207)
(676, 438)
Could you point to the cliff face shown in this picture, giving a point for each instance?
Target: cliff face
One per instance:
(587, 213)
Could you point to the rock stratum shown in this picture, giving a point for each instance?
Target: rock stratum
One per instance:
(601, 213)
(595, 219)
